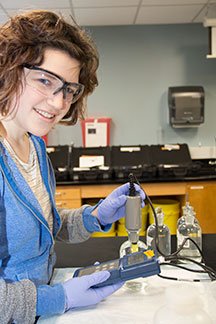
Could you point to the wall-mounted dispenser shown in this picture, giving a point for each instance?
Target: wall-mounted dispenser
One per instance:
(186, 106)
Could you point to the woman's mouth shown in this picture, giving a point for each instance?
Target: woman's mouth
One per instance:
(44, 113)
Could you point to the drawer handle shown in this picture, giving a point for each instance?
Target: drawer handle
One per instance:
(59, 193)
(60, 204)
(196, 187)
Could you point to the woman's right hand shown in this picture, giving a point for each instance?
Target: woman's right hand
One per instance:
(80, 293)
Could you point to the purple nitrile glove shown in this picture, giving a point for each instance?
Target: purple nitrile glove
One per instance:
(113, 207)
(79, 291)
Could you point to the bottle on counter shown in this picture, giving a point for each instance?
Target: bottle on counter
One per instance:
(164, 238)
(130, 246)
(189, 228)
(133, 245)
(185, 210)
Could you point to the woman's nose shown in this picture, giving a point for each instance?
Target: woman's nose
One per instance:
(57, 100)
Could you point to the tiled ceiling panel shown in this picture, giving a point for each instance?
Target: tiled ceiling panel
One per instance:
(19, 4)
(167, 14)
(104, 3)
(118, 12)
(105, 16)
(172, 2)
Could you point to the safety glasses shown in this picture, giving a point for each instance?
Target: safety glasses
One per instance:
(49, 84)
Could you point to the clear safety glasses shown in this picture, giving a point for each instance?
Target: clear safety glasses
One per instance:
(49, 84)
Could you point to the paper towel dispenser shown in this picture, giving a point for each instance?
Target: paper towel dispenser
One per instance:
(186, 106)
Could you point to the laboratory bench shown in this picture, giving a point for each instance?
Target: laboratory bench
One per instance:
(200, 192)
(132, 305)
(128, 306)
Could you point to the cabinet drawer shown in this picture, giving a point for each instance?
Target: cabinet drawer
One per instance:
(67, 193)
(75, 203)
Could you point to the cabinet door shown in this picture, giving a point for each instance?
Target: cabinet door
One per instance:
(67, 197)
(202, 196)
(75, 203)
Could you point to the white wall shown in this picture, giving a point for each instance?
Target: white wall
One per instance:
(137, 65)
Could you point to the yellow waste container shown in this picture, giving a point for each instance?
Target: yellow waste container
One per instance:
(110, 233)
(171, 210)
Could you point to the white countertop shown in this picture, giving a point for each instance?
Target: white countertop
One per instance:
(134, 307)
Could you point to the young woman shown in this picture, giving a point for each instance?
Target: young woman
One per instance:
(47, 70)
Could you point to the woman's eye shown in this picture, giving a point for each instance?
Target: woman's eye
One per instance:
(70, 90)
(44, 81)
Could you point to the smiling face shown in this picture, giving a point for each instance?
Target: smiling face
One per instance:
(36, 111)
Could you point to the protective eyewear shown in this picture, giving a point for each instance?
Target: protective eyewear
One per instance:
(49, 84)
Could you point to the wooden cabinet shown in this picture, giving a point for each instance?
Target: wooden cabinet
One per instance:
(202, 196)
(68, 197)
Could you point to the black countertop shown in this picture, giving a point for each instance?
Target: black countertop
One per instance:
(146, 180)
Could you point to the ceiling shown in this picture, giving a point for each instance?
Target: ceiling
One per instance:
(118, 12)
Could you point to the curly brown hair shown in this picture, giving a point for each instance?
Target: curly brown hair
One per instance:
(23, 40)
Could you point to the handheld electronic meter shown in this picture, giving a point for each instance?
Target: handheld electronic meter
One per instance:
(131, 266)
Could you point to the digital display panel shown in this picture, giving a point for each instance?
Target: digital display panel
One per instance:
(113, 265)
(135, 259)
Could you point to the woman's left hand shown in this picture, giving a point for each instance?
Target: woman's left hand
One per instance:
(113, 207)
